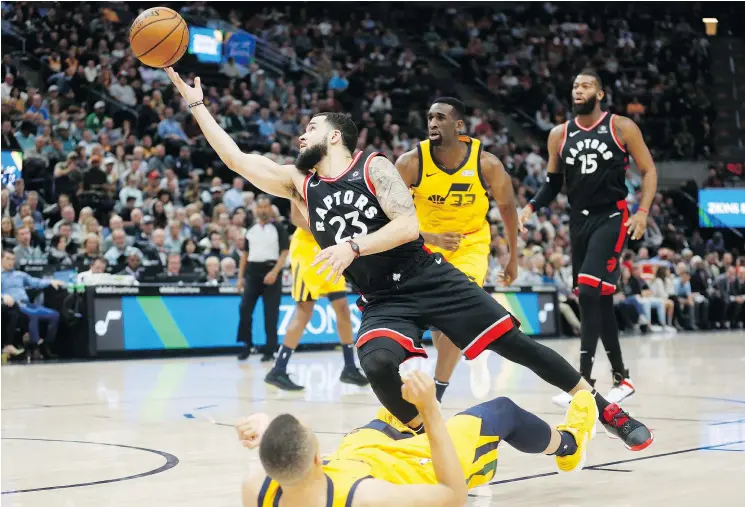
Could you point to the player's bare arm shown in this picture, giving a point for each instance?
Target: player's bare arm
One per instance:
(551, 188)
(408, 167)
(631, 136)
(500, 187)
(272, 178)
(297, 218)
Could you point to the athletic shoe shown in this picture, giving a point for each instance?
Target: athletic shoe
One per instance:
(622, 388)
(281, 380)
(670, 329)
(267, 358)
(480, 377)
(563, 400)
(352, 375)
(656, 329)
(580, 422)
(244, 353)
(620, 424)
(388, 418)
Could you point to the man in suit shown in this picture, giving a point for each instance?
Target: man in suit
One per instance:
(724, 305)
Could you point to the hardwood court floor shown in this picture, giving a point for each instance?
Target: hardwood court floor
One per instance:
(156, 433)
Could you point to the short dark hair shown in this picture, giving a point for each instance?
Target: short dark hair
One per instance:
(286, 449)
(345, 125)
(8, 251)
(593, 74)
(459, 108)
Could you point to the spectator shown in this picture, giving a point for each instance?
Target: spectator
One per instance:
(190, 259)
(174, 237)
(94, 121)
(24, 253)
(123, 92)
(173, 265)
(133, 266)
(661, 288)
(14, 285)
(169, 128)
(233, 198)
(118, 253)
(212, 274)
(97, 267)
(229, 270)
(725, 306)
(57, 254)
(91, 250)
(682, 296)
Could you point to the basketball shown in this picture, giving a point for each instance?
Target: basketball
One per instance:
(159, 37)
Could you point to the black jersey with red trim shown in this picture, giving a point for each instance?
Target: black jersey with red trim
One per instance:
(346, 207)
(594, 164)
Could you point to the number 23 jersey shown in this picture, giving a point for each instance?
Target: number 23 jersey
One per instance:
(346, 207)
(594, 164)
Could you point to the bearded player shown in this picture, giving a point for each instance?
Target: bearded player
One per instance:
(307, 288)
(449, 176)
(362, 215)
(591, 154)
(383, 464)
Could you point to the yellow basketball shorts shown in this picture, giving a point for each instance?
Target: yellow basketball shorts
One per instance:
(307, 285)
(472, 260)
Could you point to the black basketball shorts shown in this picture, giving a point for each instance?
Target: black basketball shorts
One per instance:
(597, 238)
(432, 293)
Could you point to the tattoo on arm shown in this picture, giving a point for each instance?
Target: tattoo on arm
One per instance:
(393, 194)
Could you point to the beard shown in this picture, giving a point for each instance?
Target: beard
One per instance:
(436, 141)
(311, 157)
(587, 107)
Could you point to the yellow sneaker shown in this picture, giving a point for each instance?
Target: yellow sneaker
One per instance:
(388, 418)
(580, 422)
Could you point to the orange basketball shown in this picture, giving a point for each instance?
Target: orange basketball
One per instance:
(159, 37)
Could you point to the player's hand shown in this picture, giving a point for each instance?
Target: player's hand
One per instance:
(8, 300)
(524, 216)
(239, 284)
(251, 429)
(508, 274)
(451, 240)
(335, 259)
(190, 93)
(419, 390)
(270, 278)
(637, 224)
(57, 284)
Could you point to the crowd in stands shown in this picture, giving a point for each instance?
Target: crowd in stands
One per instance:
(655, 68)
(143, 195)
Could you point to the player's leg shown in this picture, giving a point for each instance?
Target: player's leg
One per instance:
(478, 431)
(475, 321)
(448, 357)
(350, 374)
(278, 376)
(387, 337)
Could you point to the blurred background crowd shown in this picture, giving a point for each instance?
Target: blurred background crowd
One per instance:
(117, 177)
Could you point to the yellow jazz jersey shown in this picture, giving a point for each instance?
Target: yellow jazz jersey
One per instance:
(455, 201)
(306, 283)
(380, 451)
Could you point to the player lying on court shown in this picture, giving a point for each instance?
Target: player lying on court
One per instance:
(362, 215)
(385, 464)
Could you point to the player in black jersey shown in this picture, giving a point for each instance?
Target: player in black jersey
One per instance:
(362, 215)
(590, 154)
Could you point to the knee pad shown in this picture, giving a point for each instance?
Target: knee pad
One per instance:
(380, 365)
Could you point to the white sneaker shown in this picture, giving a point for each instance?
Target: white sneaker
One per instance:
(656, 329)
(480, 377)
(562, 400)
(621, 390)
(670, 329)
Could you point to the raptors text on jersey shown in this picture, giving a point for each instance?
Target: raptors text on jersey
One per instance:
(594, 164)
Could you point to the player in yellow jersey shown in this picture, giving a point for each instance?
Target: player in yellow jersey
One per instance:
(450, 175)
(307, 287)
(382, 465)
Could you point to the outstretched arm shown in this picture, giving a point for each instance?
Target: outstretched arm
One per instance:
(266, 174)
(631, 136)
(554, 181)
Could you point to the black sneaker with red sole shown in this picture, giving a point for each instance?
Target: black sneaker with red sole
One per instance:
(618, 423)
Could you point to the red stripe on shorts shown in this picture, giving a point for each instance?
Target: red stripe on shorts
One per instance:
(488, 335)
(399, 338)
(624, 208)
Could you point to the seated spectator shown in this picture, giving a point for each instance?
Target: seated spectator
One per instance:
(662, 288)
(682, 296)
(8, 233)
(173, 265)
(190, 258)
(133, 266)
(649, 302)
(233, 198)
(68, 217)
(212, 274)
(24, 253)
(12, 341)
(725, 301)
(91, 250)
(169, 128)
(14, 285)
(37, 237)
(229, 270)
(174, 237)
(97, 267)
(119, 252)
(215, 246)
(57, 254)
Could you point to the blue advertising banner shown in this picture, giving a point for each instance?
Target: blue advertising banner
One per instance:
(240, 46)
(12, 167)
(721, 207)
(188, 321)
(206, 44)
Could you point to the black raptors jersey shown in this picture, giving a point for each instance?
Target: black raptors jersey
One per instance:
(344, 208)
(594, 164)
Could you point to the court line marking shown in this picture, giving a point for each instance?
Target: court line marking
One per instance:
(611, 463)
(171, 461)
